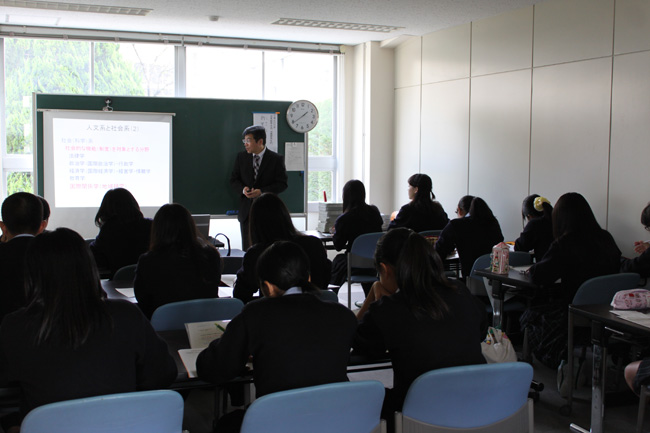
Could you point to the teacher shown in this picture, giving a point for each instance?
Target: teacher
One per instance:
(257, 170)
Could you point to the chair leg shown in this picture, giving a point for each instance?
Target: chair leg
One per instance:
(642, 403)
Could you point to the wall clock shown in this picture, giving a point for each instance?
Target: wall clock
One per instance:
(302, 116)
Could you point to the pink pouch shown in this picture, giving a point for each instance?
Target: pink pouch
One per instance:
(634, 299)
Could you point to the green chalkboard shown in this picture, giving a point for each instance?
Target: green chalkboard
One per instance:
(206, 139)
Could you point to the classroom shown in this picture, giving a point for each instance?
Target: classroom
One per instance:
(516, 98)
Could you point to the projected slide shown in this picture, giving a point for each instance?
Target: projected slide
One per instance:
(92, 152)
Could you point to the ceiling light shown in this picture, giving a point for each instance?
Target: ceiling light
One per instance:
(335, 25)
(75, 7)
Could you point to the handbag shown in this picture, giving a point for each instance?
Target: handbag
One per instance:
(497, 347)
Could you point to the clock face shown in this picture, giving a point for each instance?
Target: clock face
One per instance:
(302, 116)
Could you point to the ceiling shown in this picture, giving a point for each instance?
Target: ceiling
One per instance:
(251, 19)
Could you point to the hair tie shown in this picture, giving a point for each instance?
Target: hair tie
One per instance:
(539, 203)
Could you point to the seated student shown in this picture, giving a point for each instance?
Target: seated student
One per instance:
(123, 231)
(538, 233)
(423, 212)
(70, 341)
(430, 323)
(294, 338)
(269, 222)
(22, 219)
(580, 250)
(462, 210)
(358, 218)
(641, 264)
(385, 263)
(472, 236)
(178, 266)
(637, 373)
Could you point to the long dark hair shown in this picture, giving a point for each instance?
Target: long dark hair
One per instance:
(419, 271)
(270, 220)
(354, 195)
(480, 212)
(645, 216)
(62, 286)
(572, 214)
(173, 227)
(118, 204)
(286, 265)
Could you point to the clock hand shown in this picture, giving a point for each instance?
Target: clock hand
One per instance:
(300, 117)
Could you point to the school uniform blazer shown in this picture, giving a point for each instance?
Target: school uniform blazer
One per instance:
(271, 177)
(640, 265)
(296, 341)
(166, 276)
(124, 355)
(419, 219)
(354, 223)
(320, 267)
(119, 244)
(12, 280)
(420, 344)
(537, 235)
(471, 239)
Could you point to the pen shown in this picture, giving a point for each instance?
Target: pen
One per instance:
(220, 327)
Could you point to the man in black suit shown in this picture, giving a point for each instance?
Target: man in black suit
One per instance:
(257, 170)
(22, 219)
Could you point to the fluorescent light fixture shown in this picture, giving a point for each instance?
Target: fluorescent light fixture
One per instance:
(335, 25)
(35, 20)
(75, 7)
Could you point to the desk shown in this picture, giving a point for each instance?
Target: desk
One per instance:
(326, 238)
(500, 284)
(603, 325)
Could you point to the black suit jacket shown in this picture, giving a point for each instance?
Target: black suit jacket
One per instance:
(295, 340)
(272, 177)
(12, 280)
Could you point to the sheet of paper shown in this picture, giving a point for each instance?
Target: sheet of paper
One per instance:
(294, 156)
(521, 269)
(188, 356)
(270, 122)
(127, 291)
(201, 334)
(638, 317)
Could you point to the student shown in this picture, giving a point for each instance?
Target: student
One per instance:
(423, 212)
(70, 342)
(294, 338)
(429, 323)
(46, 212)
(462, 210)
(269, 222)
(386, 257)
(358, 218)
(22, 219)
(178, 266)
(472, 236)
(581, 250)
(641, 264)
(538, 232)
(123, 231)
(257, 170)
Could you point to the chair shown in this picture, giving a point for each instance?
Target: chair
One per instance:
(176, 314)
(597, 290)
(477, 398)
(125, 273)
(517, 258)
(134, 412)
(643, 399)
(346, 407)
(361, 256)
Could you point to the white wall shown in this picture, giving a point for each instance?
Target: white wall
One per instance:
(547, 99)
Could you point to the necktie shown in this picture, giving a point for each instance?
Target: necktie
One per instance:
(256, 165)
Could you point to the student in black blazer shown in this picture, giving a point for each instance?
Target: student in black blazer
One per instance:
(295, 339)
(538, 233)
(257, 170)
(641, 264)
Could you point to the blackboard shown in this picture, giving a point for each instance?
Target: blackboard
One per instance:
(206, 138)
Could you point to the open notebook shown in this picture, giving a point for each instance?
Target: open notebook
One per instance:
(200, 334)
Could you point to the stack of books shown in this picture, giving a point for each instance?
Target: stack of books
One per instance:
(327, 215)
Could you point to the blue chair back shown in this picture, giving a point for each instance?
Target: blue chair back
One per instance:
(346, 407)
(364, 246)
(469, 396)
(601, 290)
(176, 314)
(135, 412)
(328, 295)
(125, 273)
